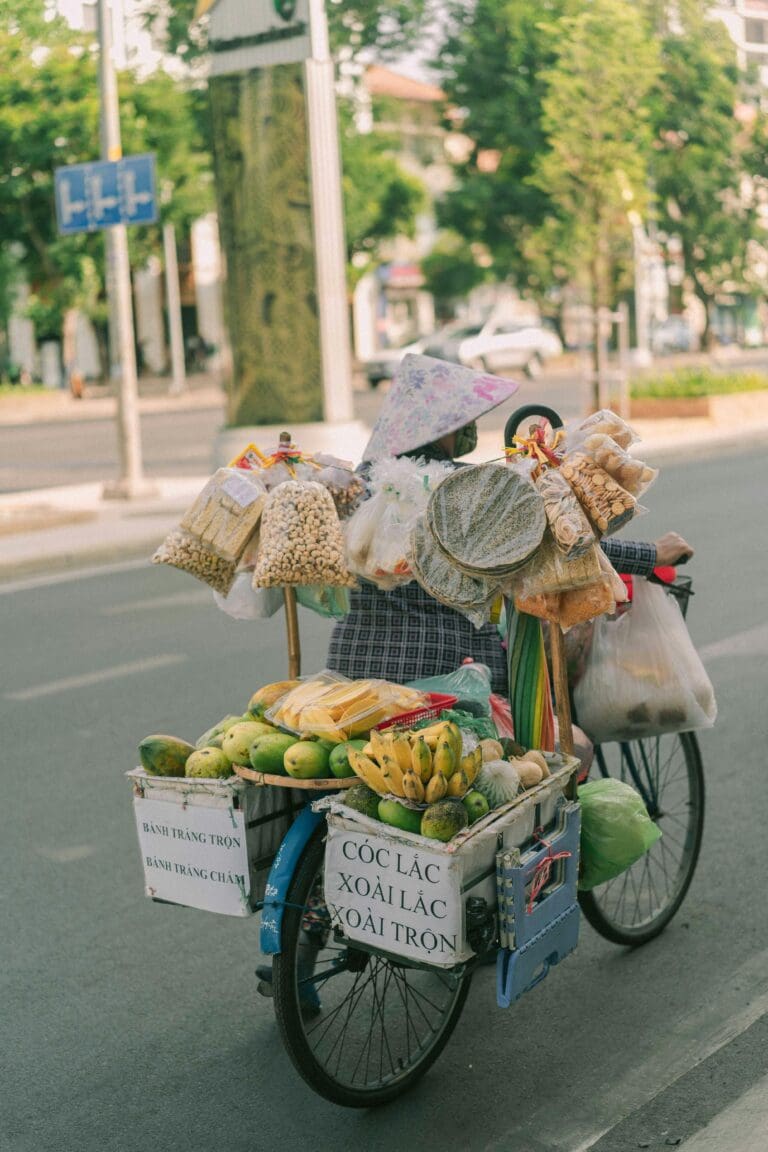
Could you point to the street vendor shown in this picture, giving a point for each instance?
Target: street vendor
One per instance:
(405, 634)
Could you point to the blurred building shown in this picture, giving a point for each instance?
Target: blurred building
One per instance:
(747, 24)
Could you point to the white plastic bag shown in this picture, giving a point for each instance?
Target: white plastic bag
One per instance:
(244, 602)
(378, 534)
(643, 676)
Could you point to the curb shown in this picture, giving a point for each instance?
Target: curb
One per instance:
(74, 562)
(66, 410)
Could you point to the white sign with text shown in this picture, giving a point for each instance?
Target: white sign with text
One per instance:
(194, 856)
(400, 898)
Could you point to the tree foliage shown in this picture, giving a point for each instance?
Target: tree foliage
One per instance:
(494, 61)
(595, 117)
(703, 154)
(49, 117)
(381, 200)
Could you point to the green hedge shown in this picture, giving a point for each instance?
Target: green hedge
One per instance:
(698, 382)
(23, 389)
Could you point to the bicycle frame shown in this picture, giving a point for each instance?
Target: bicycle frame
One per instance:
(280, 875)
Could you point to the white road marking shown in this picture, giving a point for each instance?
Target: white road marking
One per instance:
(751, 642)
(71, 576)
(692, 1040)
(68, 683)
(181, 599)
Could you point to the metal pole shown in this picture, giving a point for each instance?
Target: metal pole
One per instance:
(173, 298)
(131, 481)
(623, 327)
(602, 358)
(328, 217)
(642, 320)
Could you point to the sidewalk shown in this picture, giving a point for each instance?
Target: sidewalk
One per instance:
(69, 527)
(99, 403)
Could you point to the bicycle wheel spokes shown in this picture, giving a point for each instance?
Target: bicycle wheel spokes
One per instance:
(376, 1023)
(666, 770)
(360, 1027)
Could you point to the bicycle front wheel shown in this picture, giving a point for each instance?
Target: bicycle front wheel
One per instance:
(667, 772)
(360, 1028)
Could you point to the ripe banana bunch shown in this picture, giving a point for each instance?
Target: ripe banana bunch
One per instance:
(423, 766)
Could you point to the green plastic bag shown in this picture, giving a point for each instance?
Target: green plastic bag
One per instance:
(333, 603)
(471, 683)
(482, 726)
(616, 830)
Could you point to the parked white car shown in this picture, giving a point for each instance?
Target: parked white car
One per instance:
(498, 346)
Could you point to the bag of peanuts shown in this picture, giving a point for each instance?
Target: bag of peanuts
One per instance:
(301, 540)
(226, 513)
(182, 550)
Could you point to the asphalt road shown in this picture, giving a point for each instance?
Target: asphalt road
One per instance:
(179, 443)
(128, 1026)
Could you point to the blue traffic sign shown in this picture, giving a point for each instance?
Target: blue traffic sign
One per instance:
(105, 193)
(137, 189)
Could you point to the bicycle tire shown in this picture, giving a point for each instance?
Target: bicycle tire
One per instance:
(298, 1028)
(613, 908)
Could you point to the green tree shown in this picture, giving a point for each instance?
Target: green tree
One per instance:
(381, 200)
(451, 271)
(494, 63)
(596, 122)
(702, 153)
(49, 116)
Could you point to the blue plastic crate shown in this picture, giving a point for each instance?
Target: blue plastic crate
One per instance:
(516, 870)
(537, 933)
(519, 971)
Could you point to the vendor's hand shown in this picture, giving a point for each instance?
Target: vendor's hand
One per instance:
(671, 548)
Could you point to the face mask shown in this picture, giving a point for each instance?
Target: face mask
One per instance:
(466, 439)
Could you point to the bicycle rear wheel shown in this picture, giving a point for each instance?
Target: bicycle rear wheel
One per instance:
(667, 771)
(360, 1028)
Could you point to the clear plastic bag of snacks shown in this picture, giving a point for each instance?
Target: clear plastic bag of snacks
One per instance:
(184, 551)
(603, 422)
(550, 571)
(301, 541)
(606, 503)
(226, 513)
(567, 520)
(378, 534)
(633, 475)
(335, 708)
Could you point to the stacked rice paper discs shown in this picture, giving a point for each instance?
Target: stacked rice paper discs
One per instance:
(488, 520)
(442, 579)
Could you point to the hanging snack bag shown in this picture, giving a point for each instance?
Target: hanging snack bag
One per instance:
(301, 540)
(606, 423)
(567, 521)
(225, 514)
(183, 550)
(551, 571)
(346, 489)
(630, 473)
(606, 503)
(378, 534)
